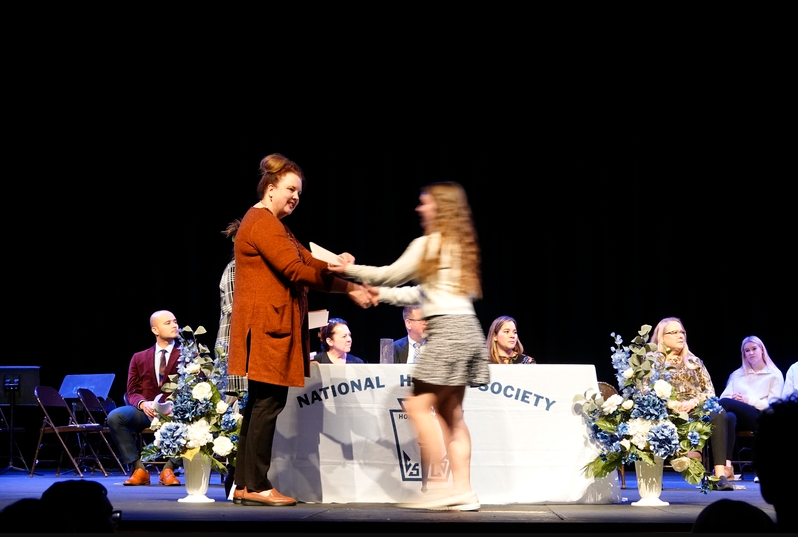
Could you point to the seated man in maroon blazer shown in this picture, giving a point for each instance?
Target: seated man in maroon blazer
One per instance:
(148, 370)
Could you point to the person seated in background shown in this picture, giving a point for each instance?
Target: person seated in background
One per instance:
(694, 386)
(416, 337)
(504, 345)
(789, 381)
(772, 446)
(750, 388)
(733, 516)
(336, 342)
(147, 373)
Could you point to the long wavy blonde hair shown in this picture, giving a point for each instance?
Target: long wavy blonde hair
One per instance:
(453, 221)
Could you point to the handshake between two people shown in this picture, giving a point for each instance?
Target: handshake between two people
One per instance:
(361, 294)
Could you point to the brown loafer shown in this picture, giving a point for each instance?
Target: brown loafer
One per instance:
(140, 477)
(238, 494)
(168, 478)
(271, 497)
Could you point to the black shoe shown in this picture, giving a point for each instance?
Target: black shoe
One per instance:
(723, 484)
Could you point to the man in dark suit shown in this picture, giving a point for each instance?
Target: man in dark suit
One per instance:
(412, 344)
(148, 371)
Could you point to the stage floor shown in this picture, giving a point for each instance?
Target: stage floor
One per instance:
(155, 509)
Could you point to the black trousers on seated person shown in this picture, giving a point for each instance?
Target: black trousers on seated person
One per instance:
(747, 415)
(264, 404)
(722, 439)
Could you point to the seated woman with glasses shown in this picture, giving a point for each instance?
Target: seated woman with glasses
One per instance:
(504, 345)
(751, 388)
(694, 386)
(336, 342)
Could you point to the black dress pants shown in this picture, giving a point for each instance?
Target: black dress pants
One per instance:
(264, 404)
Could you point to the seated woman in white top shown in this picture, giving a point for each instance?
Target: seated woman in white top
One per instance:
(750, 388)
(789, 381)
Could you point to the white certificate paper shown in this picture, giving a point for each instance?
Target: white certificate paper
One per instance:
(323, 254)
(317, 318)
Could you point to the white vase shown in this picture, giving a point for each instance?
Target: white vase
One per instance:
(198, 476)
(649, 483)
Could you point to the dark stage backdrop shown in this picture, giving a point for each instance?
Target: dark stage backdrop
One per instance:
(594, 215)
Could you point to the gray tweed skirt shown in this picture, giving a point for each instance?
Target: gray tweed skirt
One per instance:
(455, 352)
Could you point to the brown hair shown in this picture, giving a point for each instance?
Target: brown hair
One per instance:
(495, 326)
(272, 169)
(327, 331)
(453, 221)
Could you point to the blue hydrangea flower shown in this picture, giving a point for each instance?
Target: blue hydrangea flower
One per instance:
(171, 438)
(663, 439)
(712, 405)
(694, 438)
(622, 429)
(229, 422)
(650, 407)
(186, 408)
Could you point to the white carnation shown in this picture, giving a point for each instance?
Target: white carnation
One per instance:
(202, 391)
(222, 446)
(199, 434)
(638, 430)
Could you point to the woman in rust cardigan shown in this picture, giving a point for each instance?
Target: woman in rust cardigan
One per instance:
(269, 326)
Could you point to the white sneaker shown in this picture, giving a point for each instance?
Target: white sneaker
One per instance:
(444, 500)
(756, 479)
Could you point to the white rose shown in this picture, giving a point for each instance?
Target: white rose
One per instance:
(680, 464)
(627, 374)
(221, 407)
(223, 446)
(202, 391)
(193, 368)
(663, 389)
(611, 404)
(627, 404)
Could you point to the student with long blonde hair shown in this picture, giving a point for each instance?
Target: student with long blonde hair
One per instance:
(444, 263)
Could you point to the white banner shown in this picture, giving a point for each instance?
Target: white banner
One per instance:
(345, 438)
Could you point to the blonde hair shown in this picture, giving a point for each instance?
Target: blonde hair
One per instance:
(765, 356)
(659, 334)
(491, 343)
(453, 221)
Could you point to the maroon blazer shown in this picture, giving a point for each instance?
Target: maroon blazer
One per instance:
(142, 380)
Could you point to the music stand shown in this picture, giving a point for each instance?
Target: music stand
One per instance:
(18, 389)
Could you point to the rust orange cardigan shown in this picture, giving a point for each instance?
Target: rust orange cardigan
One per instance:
(273, 272)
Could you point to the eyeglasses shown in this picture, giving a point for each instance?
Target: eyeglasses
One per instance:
(417, 320)
(674, 332)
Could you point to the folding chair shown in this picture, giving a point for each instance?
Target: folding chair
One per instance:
(96, 413)
(607, 390)
(59, 420)
(141, 440)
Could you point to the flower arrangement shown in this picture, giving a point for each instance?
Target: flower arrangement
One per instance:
(643, 420)
(200, 420)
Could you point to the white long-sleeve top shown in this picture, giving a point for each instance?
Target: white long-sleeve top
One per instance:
(440, 296)
(789, 381)
(758, 387)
